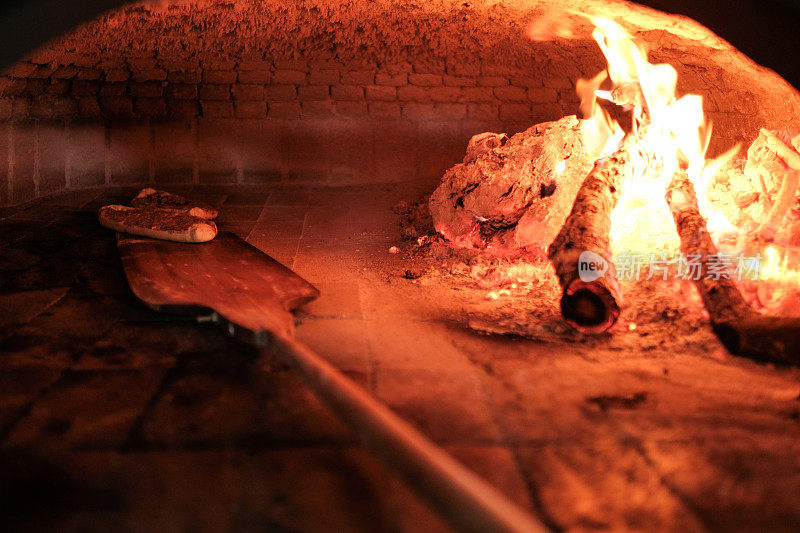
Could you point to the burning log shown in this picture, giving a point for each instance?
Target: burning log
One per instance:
(591, 296)
(740, 329)
(719, 293)
(763, 338)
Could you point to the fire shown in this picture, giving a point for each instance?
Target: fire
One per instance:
(668, 128)
(662, 124)
(777, 267)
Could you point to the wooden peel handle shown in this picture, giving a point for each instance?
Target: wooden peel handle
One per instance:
(461, 496)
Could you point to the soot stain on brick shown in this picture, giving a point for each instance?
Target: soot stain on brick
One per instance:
(629, 401)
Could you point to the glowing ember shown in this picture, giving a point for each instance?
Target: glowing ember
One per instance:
(776, 267)
(509, 196)
(669, 129)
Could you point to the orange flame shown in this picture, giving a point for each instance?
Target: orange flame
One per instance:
(663, 124)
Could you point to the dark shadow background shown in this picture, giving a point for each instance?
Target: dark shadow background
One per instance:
(768, 31)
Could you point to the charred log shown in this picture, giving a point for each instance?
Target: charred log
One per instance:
(763, 338)
(740, 329)
(591, 303)
(719, 293)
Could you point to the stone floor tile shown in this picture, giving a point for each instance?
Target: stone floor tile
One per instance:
(605, 486)
(333, 489)
(19, 387)
(115, 196)
(42, 212)
(722, 478)
(238, 402)
(248, 196)
(412, 344)
(214, 436)
(336, 300)
(498, 466)
(214, 199)
(87, 409)
(27, 347)
(283, 250)
(140, 345)
(288, 197)
(74, 199)
(280, 223)
(9, 211)
(387, 295)
(110, 491)
(22, 307)
(459, 413)
(327, 264)
(15, 258)
(408, 513)
(240, 229)
(340, 342)
(67, 318)
(238, 213)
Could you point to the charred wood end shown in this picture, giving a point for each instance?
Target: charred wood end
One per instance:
(591, 307)
(763, 338)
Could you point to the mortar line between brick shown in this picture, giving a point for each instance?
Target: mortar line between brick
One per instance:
(533, 491)
(636, 444)
(300, 238)
(106, 153)
(11, 156)
(258, 217)
(67, 155)
(372, 368)
(37, 165)
(135, 439)
(9, 164)
(151, 152)
(239, 154)
(196, 151)
(245, 444)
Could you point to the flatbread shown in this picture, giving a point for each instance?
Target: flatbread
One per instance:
(157, 223)
(163, 199)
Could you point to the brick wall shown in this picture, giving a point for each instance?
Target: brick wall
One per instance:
(222, 91)
(323, 122)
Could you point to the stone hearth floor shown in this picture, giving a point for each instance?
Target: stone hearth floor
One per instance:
(115, 417)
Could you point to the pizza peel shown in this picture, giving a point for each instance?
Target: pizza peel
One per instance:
(234, 284)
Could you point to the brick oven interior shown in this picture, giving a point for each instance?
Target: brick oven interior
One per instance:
(313, 126)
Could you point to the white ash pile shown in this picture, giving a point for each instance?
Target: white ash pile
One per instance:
(512, 193)
(758, 195)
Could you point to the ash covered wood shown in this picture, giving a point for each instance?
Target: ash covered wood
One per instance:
(593, 305)
(763, 338)
(514, 190)
(743, 331)
(719, 293)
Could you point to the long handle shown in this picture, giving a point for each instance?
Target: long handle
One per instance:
(461, 496)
